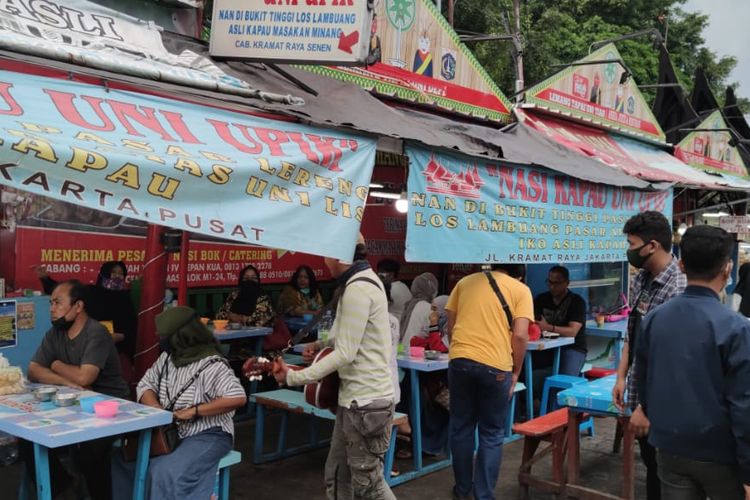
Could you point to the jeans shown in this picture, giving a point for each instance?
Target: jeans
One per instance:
(571, 361)
(686, 479)
(186, 473)
(648, 454)
(479, 397)
(354, 467)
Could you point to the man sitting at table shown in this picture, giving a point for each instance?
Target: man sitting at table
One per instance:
(563, 312)
(77, 352)
(695, 387)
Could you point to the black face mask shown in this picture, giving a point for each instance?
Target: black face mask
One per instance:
(64, 324)
(165, 345)
(636, 259)
(250, 286)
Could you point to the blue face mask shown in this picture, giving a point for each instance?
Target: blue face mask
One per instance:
(306, 291)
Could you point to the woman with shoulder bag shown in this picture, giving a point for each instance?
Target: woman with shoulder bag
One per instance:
(192, 379)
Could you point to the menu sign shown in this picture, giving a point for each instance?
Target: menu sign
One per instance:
(309, 31)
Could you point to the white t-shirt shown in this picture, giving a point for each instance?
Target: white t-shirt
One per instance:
(400, 295)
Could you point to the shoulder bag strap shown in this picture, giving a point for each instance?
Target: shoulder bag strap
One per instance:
(331, 305)
(190, 382)
(500, 297)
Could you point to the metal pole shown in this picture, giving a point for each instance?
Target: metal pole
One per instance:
(450, 12)
(519, 49)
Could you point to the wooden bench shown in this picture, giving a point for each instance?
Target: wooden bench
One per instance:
(289, 401)
(550, 428)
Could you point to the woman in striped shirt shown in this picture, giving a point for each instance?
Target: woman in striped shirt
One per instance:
(194, 379)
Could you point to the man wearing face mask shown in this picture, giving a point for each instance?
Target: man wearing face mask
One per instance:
(695, 393)
(659, 279)
(77, 352)
(109, 300)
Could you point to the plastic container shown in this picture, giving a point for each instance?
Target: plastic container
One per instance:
(8, 449)
(205, 319)
(534, 332)
(220, 324)
(106, 409)
(325, 325)
(416, 352)
(87, 404)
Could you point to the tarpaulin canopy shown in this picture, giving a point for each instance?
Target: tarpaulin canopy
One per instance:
(631, 157)
(343, 105)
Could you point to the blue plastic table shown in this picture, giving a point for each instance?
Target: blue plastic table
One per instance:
(48, 426)
(616, 330)
(412, 366)
(541, 345)
(243, 333)
(595, 398)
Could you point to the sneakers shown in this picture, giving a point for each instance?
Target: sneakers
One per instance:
(394, 471)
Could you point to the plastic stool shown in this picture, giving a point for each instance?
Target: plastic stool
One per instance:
(598, 372)
(563, 382)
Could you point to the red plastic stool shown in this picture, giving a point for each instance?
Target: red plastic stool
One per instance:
(596, 372)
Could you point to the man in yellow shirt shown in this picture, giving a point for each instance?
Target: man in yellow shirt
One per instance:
(486, 356)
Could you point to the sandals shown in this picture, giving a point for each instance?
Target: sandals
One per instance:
(403, 446)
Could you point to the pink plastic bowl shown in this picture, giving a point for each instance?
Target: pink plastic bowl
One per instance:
(106, 409)
(416, 352)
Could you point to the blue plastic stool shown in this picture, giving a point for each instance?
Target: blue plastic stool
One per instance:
(563, 382)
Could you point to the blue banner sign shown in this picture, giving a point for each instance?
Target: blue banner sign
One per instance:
(198, 168)
(465, 210)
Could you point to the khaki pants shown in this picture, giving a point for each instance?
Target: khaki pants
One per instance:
(354, 467)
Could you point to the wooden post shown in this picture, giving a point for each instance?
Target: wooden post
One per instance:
(152, 301)
(574, 448)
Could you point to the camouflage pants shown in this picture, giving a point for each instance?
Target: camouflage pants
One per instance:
(354, 467)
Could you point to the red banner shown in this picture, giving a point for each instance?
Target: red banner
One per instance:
(74, 254)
